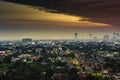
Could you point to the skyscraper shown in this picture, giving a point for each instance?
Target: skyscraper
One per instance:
(106, 38)
(76, 36)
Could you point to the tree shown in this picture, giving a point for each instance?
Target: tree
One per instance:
(73, 73)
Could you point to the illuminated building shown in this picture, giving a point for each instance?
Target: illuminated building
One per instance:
(27, 40)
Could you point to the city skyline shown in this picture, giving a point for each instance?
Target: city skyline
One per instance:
(18, 21)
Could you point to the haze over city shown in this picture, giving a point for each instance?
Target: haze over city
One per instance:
(18, 21)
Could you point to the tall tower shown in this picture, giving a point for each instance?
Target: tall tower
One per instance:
(106, 38)
(90, 36)
(76, 36)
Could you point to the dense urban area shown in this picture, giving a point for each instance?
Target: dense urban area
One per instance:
(29, 59)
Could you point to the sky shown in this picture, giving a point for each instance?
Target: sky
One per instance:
(58, 21)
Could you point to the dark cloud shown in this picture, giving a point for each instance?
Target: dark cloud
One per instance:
(106, 11)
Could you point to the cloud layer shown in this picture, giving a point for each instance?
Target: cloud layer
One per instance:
(106, 11)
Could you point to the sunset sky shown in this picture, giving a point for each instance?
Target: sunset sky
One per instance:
(58, 21)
